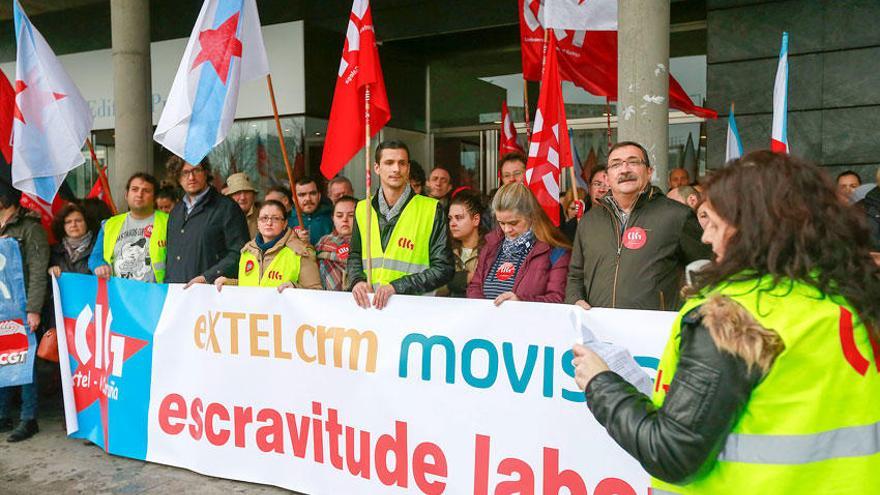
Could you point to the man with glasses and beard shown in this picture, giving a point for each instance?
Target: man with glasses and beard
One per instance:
(630, 251)
(206, 230)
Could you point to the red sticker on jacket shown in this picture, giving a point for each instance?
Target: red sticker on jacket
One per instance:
(248, 266)
(342, 252)
(635, 238)
(505, 271)
(148, 231)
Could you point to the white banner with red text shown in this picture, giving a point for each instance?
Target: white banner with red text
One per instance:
(307, 391)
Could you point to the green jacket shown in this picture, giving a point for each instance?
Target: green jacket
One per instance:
(25, 227)
(643, 272)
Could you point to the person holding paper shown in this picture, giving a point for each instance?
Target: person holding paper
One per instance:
(770, 381)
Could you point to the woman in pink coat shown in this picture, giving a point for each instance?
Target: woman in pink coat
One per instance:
(526, 257)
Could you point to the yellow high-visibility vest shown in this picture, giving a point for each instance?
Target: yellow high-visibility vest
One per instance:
(284, 267)
(408, 250)
(812, 425)
(158, 241)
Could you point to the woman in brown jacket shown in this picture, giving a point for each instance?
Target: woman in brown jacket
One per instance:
(275, 257)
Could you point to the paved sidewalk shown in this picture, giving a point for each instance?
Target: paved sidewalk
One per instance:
(52, 463)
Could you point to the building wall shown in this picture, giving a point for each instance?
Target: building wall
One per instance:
(834, 75)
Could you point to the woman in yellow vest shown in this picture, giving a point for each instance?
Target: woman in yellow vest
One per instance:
(275, 257)
(770, 381)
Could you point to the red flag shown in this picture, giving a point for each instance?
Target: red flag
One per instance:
(47, 212)
(549, 148)
(586, 58)
(7, 110)
(507, 142)
(98, 192)
(358, 70)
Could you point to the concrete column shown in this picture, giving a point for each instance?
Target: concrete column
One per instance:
(130, 30)
(643, 79)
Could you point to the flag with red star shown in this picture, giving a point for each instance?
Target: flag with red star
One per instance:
(51, 120)
(549, 148)
(225, 48)
(359, 69)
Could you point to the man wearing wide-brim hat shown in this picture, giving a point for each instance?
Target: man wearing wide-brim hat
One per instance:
(240, 189)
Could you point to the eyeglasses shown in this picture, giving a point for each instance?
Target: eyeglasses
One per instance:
(270, 219)
(515, 175)
(632, 162)
(192, 172)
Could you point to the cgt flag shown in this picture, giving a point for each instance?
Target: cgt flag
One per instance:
(226, 47)
(358, 69)
(17, 342)
(508, 142)
(549, 149)
(779, 138)
(586, 32)
(51, 118)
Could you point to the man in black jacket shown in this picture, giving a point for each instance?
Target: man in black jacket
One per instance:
(630, 251)
(389, 205)
(206, 230)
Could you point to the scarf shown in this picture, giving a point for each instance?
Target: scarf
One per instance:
(265, 246)
(390, 212)
(513, 253)
(77, 248)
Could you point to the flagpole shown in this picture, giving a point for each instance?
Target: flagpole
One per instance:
(369, 227)
(608, 120)
(101, 176)
(290, 177)
(526, 109)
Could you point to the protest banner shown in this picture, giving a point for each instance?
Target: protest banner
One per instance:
(307, 391)
(17, 342)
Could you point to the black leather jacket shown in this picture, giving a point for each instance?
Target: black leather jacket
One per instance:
(682, 439)
(442, 264)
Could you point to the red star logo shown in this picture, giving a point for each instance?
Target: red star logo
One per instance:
(36, 100)
(91, 378)
(219, 46)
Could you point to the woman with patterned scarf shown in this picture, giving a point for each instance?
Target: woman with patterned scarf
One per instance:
(76, 238)
(526, 257)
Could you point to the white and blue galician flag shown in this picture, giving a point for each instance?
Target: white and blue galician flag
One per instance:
(734, 143)
(779, 137)
(226, 47)
(51, 119)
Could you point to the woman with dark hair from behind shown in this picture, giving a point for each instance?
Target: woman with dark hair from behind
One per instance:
(468, 234)
(526, 257)
(770, 381)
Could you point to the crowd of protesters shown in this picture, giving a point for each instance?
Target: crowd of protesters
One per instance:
(624, 244)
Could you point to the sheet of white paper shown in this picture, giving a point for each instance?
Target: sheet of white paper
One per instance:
(619, 360)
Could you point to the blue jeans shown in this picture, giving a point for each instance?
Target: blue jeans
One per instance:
(28, 400)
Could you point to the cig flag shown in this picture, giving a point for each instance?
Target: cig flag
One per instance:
(779, 139)
(358, 69)
(508, 142)
(51, 120)
(549, 148)
(225, 48)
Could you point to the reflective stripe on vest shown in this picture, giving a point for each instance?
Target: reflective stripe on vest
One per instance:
(285, 267)
(158, 241)
(408, 248)
(852, 441)
(812, 424)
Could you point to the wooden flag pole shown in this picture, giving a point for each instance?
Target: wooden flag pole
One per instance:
(101, 176)
(369, 227)
(526, 109)
(290, 177)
